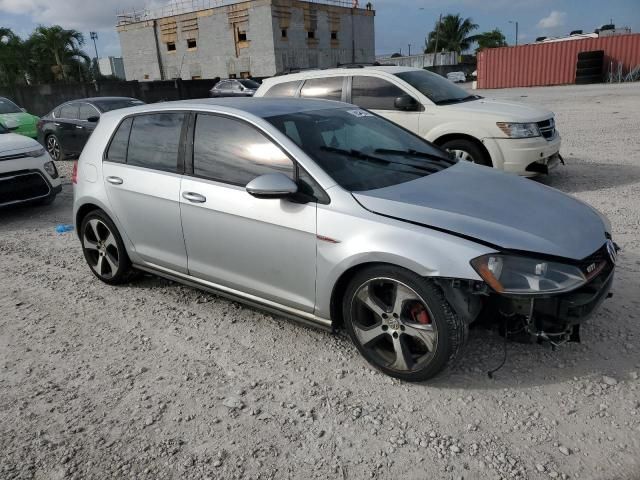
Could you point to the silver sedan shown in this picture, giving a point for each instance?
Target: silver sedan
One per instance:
(329, 214)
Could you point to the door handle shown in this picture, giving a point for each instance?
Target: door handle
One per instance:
(79, 126)
(194, 197)
(115, 180)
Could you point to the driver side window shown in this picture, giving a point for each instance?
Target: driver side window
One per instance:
(374, 93)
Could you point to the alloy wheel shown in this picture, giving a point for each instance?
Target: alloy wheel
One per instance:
(462, 155)
(101, 248)
(394, 324)
(53, 147)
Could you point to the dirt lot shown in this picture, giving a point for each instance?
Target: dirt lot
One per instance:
(155, 380)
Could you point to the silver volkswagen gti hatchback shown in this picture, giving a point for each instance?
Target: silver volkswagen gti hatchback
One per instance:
(331, 215)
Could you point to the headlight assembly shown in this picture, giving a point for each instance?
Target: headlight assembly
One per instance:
(36, 153)
(512, 274)
(519, 130)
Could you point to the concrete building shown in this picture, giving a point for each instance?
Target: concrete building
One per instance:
(112, 66)
(256, 38)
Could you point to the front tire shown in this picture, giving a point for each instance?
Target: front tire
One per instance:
(103, 249)
(54, 148)
(401, 323)
(466, 150)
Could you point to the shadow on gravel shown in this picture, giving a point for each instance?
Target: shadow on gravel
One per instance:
(577, 176)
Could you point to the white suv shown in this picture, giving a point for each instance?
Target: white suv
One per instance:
(510, 136)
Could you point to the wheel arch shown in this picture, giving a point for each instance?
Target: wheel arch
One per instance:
(463, 136)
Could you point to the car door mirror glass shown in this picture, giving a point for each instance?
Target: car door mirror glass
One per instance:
(271, 185)
(407, 103)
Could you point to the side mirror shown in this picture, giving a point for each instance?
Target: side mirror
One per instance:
(271, 185)
(407, 103)
(93, 119)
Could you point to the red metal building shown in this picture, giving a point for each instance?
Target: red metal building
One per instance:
(552, 63)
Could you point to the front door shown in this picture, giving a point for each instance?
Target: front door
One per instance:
(143, 186)
(379, 95)
(263, 247)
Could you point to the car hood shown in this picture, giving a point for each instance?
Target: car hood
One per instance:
(503, 210)
(11, 143)
(502, 111)
(12, 120)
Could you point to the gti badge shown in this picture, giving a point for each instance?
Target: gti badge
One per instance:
(611, 250)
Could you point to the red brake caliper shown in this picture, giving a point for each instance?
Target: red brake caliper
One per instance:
(419, 314)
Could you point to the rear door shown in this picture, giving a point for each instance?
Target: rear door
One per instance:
(379, 95)
(264, 247)
(142, 173)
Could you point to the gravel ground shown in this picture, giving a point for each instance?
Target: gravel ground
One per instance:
(155, 380)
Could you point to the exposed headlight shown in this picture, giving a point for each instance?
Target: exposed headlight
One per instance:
(36, 153)
(519, 130)
(512, 274)
(51, 169)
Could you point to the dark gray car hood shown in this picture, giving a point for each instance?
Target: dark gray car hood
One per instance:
(493, 207)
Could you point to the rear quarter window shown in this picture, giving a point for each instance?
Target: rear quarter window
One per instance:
(117, 151)
(285, 89)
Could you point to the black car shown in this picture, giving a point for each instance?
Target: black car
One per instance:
(66, 129)
(234, 87)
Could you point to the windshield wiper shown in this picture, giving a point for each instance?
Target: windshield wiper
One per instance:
(415, 153)
(353, 153)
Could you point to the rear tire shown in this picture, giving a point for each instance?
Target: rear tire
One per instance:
(467, 150)
(401, 323)
(104, 250)
(588, 79)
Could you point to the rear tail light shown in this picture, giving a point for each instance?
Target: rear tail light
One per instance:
(74, 174)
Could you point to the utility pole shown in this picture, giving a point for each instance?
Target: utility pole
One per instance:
(435, 57)
(94, 37)
(409, 49)
(516, 22)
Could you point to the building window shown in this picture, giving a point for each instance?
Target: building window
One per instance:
(334, 35)
(311, 34)
(284, 33)
(171, 46)
(191, 43)
(232, 75)
(146, 76)
(242, 35)
(196, 77)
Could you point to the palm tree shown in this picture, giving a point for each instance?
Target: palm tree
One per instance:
(493, 39)
(11, 58)
(453, 34)
(63, 45)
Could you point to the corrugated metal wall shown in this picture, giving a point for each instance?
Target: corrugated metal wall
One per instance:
(551, 63)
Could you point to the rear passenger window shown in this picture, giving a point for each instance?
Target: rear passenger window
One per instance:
(69, 111)
(286, 89)
(329, 88)
(234, 152)
(374, 93)
(87, 111)
(154, 141)
(118, 148)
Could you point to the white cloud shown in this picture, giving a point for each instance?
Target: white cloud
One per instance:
(554, 20)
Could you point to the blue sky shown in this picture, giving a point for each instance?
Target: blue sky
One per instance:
(398, 22)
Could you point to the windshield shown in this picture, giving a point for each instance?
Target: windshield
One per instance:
(250, 83)
(436, 88)
(360, 150)
(108, 105)
(7, 106)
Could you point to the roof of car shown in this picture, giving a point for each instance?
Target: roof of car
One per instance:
(312, 73)
(260, 107)
(101, 99)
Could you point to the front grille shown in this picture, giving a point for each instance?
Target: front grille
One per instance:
(21, 186)
(548, 128)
